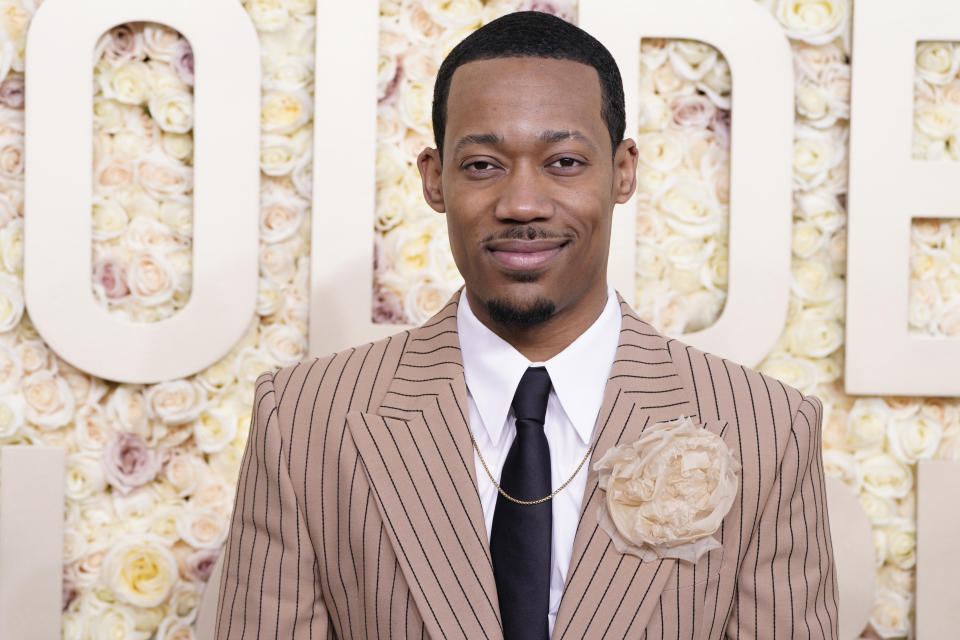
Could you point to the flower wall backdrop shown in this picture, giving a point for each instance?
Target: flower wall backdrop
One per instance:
(152, 468)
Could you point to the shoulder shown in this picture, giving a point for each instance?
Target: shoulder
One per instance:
(336, 383)
(759, 406)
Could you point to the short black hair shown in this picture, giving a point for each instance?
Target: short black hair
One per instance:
(533, 34)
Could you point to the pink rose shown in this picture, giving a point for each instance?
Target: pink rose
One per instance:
(199, 564)
(387, 308)
(183, 61)
(11, 91)
(692, 112)
(720, 124)
(112, 277)
(123, 43)
(129, 463)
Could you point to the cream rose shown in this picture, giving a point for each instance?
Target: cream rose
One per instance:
(11, 368)
(128, 83)
(173, 111)
(160, 42)
(902, 543)
(691, 59)
(890, 617)
(284, 344)
(867, 423)
(691, 208)
(11, 302)
(176, 401)
(814, 21)
(49, 400)
(127, 409)
(214, 430)
(175, 629)
(268, 15)
(281, 214)
(884, 475)
(11, 158)
(879, 510)
(914, 438)
(797, 372)
(815, 153)
(278, 154)
(937, 62)
(140, 570)
(202, 528)
(814, 334)
(92, 430)
(250, 363)
(84, 477)
(11, 415)
(667, 493)
(285, 111)
(425, 297)
(162, 177)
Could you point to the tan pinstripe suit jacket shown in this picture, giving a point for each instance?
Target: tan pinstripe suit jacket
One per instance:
(357, 513)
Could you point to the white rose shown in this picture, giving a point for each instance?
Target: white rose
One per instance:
(424, 298)
(285, 111)
(84, 477)
(654, 112)
(660, 150)
(116, 621)
(127, 83)
(11, 368)
(127, 408)
(93, 432)
(202, 528)
(250, 363)
(35, 355)
(11, 246)
(455, 15)
(813, 21)
(691, 59)
(176, 401)
(137, 509)
(924, 302)
(281, 214)
(890, 617)
(162, 177)
(879, 510)
(109, 219)
(814, 334)
(939, 121)
(214, 430)
(691, 208)
(928, 264)
(937, 62)
(173, 111)
(108, 115)
(149, 234)
(820, 107)
(822, 209)
(284, 344)
(11, 415)
(808, 239)
(11, 302)
(159, 41)
(815, 153)
(290, 73)
(49, 400)
(415, 105)
(268, 15)
(151, 278)
(269, 299)
(796, 372)
(844, 466)
(214, 495)
(278, 154)
(183, 472)
(867, 423)
(11, 158)
(178, 145)
(141, 570)
(946, 320)
(914, 438)
(884, 475)
(175, 629)
(717, 83)
(902, 543)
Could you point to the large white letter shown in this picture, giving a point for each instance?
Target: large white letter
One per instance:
(57, 252)
(938, 555)
(31, 542)
(760, 155)
(887, 189)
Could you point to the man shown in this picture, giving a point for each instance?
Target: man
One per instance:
(437, 483)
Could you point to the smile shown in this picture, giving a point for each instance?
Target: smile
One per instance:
(525, 255)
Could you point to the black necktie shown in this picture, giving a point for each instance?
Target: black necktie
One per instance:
(521, 536)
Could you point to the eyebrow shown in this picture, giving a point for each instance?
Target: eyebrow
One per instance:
(550, 136)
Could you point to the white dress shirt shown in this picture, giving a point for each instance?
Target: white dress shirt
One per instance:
(579, 373)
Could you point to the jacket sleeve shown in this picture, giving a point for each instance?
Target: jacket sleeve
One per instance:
(268, 585)
(788, 587)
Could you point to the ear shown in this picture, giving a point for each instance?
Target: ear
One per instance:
(625, 170)
(431, 169)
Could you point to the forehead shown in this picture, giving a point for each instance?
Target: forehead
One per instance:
(503, 94)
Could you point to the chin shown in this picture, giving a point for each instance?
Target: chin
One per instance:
(512, 313)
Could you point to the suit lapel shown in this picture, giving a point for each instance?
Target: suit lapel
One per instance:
(609, 594)
(418, 456)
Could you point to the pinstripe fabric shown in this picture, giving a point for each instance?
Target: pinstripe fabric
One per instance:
(357, 514)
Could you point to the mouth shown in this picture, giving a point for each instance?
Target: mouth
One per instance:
(525, 255)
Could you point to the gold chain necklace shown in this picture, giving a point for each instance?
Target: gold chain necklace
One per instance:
(526, 502)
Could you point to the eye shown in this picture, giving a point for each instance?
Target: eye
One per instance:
(479, 165)
(567, 162)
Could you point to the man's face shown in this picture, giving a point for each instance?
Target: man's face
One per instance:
(528, 183)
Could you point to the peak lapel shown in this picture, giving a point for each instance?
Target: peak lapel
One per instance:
(418, 455)
(609, 594)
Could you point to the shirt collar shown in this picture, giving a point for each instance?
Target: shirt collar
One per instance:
(492, 368)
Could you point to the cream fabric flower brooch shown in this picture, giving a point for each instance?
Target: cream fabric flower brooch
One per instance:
(667, 493)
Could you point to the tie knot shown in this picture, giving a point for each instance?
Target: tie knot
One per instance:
(530, 400)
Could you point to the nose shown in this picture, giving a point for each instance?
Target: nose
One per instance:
(524, 195)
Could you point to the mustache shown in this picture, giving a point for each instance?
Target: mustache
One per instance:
(527, 232)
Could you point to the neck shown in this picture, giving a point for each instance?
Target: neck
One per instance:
(540, 342)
